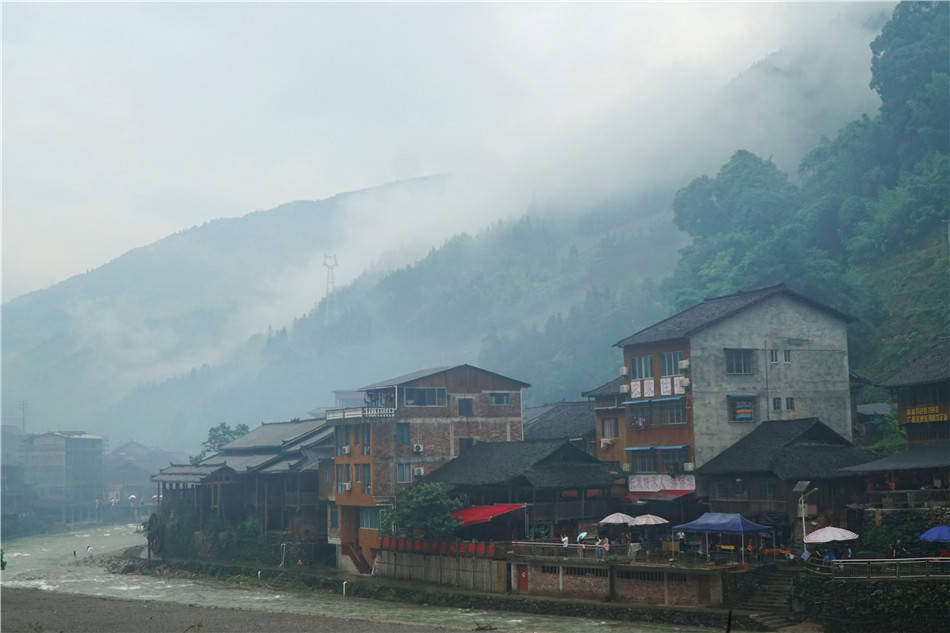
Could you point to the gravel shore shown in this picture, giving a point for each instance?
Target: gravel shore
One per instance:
(36, 611)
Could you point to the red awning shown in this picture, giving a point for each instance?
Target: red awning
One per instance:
(658, 495)
(474, 515)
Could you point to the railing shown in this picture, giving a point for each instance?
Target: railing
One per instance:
(886, 568)
(360, 412)
(445, 548)
(909, 498)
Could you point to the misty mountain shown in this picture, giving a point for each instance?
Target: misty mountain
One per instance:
(199, 328)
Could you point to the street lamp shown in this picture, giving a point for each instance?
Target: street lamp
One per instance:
(801, 504)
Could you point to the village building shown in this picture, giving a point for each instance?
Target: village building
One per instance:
(407, 428)
(572, 421)
(560, 485)
(699, 381)
(764, 475)
(64, 470)
(271, 474)
(919, 476)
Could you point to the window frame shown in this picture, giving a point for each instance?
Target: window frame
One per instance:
(641, 367)
(439, 396)
(506, 399)
(777, 404)
(678, 405)
(644, 462)
(740, 361)
(403, 432)
(669, 363)
(400, 467)
(789, 403)
(612, 424)
(471, 407)
(773, 355)
(732, 401)
(788, 356)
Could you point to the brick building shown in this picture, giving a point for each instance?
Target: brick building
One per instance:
(697, 382)
(64, 469)
(409, 426)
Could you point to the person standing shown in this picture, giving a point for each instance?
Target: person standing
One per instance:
(898, 550)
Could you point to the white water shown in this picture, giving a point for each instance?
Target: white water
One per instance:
(47, 562)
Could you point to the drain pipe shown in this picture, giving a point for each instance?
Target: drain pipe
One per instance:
(344, 588)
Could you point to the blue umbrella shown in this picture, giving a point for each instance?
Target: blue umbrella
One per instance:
(939, 534)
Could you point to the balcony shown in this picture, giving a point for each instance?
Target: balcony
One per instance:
(355, 413)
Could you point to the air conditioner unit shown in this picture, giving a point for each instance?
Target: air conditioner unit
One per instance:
(624, 370)
(688, 467)
(626, 468)
(418, 471)
(345, 450)
(624, 388)
(417, 448)
(347, 486)
(684, 364)
(684, 382)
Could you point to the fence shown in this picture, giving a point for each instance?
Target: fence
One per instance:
(887, 568)
(422, 546)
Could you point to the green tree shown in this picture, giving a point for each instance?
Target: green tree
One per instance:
(218, 436)
(424, 511)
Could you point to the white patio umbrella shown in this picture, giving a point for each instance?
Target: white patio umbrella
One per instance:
(829, 534)
(648, 519)
(618, 518)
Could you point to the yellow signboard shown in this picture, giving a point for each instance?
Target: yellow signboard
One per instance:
(928, 413)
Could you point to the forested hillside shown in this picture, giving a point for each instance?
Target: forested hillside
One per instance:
(866, 229)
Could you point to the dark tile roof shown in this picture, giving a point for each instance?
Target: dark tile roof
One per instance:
(564, 420)
(714, 309)
(531, 413)
(935, 455)
(425, 373)
(490, 463)
(188, 473)
(275, 434)
(592, 475)
(934, 366)
(611, 388)
(790, 449)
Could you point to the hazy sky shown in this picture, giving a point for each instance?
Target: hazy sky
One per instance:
(123, 123)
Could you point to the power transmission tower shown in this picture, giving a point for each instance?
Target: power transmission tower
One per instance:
(329, 262)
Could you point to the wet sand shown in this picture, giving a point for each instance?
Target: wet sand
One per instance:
(34, 611)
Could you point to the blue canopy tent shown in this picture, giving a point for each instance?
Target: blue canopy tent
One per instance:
(728, 523)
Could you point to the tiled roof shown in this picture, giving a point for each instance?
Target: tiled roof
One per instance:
(274, 434)
(188, 473)
(488, 463)
(564, 420)
(936, 455)
(714, 309)
(611, 388)
(425, 373)
(790, 449)
(934, 366)
(592, 475)
(241, 462)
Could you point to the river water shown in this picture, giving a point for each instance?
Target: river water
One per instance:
(48, 562)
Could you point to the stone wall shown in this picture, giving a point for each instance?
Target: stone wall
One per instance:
(477, 574)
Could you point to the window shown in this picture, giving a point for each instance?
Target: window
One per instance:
(773, 355)
(722, 490)
(339, 478)
(369, 518)
(673, 412)
(415, 397)
(403, 473)
(403, 435)
(640, 416)
(334, 516)
(357, 433)
(741, 408)
(608, 428)
(738, 361)
(500, 398)
(776, 404)
(670, 363)
(768, 489)
(790, 404)
(366, 436)
(346, 471)
(788, 356)
(466, 443)
(641, 367)
(359, 472)
(673, 461)
(465, 408)
(644, 462)
(367, 481)
(741, 490)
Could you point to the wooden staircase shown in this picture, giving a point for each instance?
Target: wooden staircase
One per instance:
(355, 555)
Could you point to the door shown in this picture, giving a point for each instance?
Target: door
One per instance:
(522, 578)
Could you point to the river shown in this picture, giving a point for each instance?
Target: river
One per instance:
(48, 562)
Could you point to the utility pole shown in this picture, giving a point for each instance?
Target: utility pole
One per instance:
(23, 415)
(329, 262)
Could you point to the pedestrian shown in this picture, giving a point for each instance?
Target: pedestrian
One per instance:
(565, 542)
(75, 555)
(898, 550)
